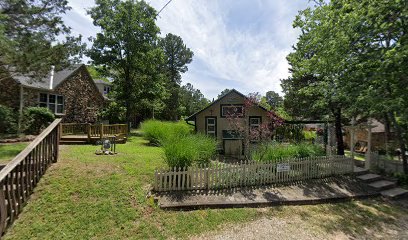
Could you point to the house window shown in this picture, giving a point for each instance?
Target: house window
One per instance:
(254, 127)
(232, 110)
(254, 122)
(106, 89)
(54, 102)
(211, 126)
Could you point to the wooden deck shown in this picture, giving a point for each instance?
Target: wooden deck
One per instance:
(79, 133)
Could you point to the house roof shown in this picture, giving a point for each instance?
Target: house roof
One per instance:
(44, 83)
(191, 118)
(100, 81)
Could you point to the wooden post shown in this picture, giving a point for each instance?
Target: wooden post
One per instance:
(368, 153)
(328, 146)
(58, 134)
(20, 110)
(88, 128)
(353, 122)
(101, 131)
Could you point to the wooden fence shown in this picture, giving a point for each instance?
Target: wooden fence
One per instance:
(250, 173)
(19, 177)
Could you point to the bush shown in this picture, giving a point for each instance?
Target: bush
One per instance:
(402, 178)
(309, 135)
(114, 113)
(274, 151)
(36, 119)
(158, 132)
(8, 120)
(188, 150)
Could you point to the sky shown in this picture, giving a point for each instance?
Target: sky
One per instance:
(239, 44)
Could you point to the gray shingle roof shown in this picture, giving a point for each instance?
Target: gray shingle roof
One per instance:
(102, 82)
(59, 77)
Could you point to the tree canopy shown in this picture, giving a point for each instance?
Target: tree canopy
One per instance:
(177, 55)
(351, 60)
(127, 51)
(33, 37)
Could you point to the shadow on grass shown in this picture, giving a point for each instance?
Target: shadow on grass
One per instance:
(357, 219)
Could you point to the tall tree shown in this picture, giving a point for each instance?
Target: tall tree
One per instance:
(177, 58)
(357, 51)
(273, 99)
(192, 100)
(223, 92)
(30, 37)
(127, 51)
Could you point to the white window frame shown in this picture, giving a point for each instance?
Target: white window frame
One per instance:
(224, 114)
(106, 89)
(213, 132)
(48, 103)
(255, 125)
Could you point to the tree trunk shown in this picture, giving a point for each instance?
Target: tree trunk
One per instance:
(339, 134)
(401, 142)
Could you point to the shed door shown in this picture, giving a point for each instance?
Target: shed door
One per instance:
(233, 147)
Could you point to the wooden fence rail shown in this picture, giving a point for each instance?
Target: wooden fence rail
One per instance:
(19, 177)
(94, 131)
(250, 173)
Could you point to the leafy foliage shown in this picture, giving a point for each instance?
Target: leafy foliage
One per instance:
(192, 100)
(126, 51)
(355, 54)
(273, 99)
(114, 113)
(177, 57)
(223, 92)
(30, 33)
(8, 122)
(159, 132)
(275, 151)
(188, 150)
(36, 119)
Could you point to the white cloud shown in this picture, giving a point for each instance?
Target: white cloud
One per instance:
(236, 44)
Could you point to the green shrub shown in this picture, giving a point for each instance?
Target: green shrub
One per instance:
(402, 178)
(8, 120)
(188, 150)
(309, 135)
(274, 151)
(158, 132)
(36, 119)
(114, 113)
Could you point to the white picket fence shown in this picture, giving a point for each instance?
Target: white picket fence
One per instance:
(250, 173)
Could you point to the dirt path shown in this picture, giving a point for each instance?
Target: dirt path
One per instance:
(296, 226)
(270, 228)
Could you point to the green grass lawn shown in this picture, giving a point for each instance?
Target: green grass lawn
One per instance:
(85, 196)
(10, 150)
(357, 156)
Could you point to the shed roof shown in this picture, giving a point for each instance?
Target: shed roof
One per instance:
(191, 118)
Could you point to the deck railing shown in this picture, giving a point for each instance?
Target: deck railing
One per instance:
(225, 176)
(19, 177)
(94, 130)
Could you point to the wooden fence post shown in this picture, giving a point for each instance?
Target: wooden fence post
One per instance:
(101, 131)
(3, 210)
(88, 128)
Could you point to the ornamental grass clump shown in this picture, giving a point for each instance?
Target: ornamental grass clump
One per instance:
(158, 132)
(189, 150)
(275, 151)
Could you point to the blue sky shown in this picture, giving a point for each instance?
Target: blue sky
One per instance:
(239, 44)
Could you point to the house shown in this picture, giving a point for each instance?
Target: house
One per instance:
(69, 93)
(104, 87)
(378, 136)
(213, 121)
